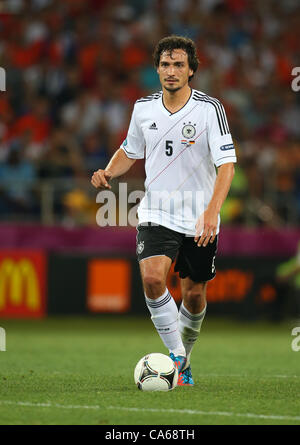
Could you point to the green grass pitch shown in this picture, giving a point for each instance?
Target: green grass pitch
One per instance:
(79, 371)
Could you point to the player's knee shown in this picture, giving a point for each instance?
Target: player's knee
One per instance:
(152, 280)
(153, 284)
(196, 297)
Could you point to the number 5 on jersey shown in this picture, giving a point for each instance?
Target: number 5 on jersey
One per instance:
(169, 148)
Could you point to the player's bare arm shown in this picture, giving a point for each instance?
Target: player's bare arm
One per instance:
(209, 220)
(117, 166)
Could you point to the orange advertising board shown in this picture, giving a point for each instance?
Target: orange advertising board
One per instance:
(22, 284)
(229, 285)
(108, 285)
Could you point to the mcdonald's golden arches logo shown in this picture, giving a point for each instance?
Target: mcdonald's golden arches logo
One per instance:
(22, 284)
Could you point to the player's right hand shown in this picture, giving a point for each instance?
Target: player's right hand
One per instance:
(100, 179)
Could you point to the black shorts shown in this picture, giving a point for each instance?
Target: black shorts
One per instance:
(192, 261)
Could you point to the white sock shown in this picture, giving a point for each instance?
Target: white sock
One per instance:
(164, 314)
(189, 326)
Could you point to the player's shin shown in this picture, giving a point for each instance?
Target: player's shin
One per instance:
(164, 315)
(189, 326)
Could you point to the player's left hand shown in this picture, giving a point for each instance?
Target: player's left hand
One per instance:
(207, 224)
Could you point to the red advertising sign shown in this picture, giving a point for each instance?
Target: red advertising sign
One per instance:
(22, 284)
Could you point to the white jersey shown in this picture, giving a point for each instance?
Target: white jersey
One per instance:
(181, 151)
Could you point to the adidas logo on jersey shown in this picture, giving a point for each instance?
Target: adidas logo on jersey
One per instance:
(153, 126)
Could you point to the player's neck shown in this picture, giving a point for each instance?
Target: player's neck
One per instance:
(175, 100)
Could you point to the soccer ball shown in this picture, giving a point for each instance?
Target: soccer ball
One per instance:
(156, 372)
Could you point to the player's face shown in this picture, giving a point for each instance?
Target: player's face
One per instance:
(174, 70)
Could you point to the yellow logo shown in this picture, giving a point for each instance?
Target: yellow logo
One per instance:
(19, 284)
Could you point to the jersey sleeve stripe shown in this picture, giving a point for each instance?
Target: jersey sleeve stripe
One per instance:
(205, 98)
(217, 112)
(232, 156)
(223, 124)
(219, 109)
(225, 119)
(130, 154)
(149, 98)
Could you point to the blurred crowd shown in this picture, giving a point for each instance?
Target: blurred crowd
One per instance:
(74, 69)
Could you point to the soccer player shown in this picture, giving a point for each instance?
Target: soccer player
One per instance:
(184, 137)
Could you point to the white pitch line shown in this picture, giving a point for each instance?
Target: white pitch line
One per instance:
(155, 410)
(210, 413)
(277, 376)
(48, 405)
(254, 376)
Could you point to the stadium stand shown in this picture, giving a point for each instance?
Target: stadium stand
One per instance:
(75, 68)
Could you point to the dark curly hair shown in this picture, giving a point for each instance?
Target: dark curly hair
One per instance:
(177, 42)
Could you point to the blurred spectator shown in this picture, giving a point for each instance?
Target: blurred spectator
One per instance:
(63, 158)
(82, 115)
(96, 148)
(17, 179)
(35, 125)
(290, 114)
(79, 208)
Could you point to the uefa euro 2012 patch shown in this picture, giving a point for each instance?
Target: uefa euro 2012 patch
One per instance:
(227, 147)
